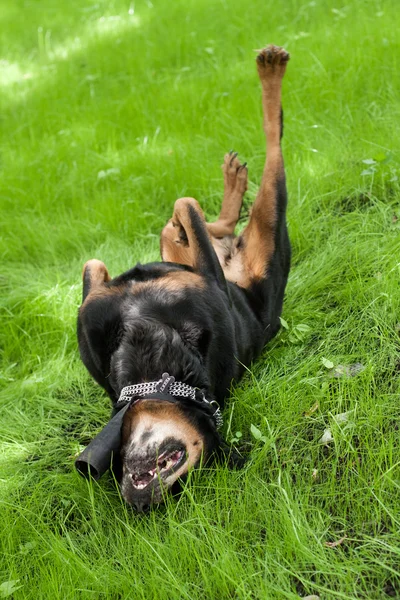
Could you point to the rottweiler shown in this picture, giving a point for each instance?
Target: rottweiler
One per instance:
(168, 338)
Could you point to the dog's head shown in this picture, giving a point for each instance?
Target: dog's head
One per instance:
(161, 442)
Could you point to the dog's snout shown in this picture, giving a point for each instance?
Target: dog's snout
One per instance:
(141, 506)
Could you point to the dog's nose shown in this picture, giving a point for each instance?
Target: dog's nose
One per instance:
(141, 506)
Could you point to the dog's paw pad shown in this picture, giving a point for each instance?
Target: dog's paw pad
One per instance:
(272, 56)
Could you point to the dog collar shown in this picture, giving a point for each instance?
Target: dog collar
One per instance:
(170, 390)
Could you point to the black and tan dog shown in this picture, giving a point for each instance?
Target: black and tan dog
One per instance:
(200, 315)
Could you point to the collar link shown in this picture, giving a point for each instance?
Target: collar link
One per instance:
(168, 385)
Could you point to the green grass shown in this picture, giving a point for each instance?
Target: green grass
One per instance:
(158, 96)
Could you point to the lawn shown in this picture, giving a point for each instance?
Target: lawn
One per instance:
(109, 112)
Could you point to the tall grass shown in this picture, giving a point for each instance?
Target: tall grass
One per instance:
(110, 112)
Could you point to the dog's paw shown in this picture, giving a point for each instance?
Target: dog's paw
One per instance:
(272, 59)
(235, 173)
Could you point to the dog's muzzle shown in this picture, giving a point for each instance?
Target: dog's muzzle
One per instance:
(97, 457)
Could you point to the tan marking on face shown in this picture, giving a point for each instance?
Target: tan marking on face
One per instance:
(160, 421)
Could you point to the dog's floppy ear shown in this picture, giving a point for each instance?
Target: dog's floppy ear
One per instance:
(99, 335)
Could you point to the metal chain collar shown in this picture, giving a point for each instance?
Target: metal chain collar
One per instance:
(167, 384)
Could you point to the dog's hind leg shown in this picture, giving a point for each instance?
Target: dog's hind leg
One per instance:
(173, 245)
(266, 235)
(261, 236)
(185, 240)
(173, 242)
(260, 259)
(261, 255)
(94, 276)
(235, 186)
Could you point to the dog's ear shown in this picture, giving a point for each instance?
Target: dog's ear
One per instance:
(99, 335)
(195, 337)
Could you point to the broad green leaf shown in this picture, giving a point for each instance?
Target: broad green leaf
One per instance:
(327, 363)
(7, 588)
(284, 323)
(255, 432)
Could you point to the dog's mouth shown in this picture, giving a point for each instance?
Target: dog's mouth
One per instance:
(163, 466)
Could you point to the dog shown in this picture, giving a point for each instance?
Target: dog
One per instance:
(166, 339)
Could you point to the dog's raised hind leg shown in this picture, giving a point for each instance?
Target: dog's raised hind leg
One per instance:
(267, 222)
(235, 186)
(173, 241)
(185, 239)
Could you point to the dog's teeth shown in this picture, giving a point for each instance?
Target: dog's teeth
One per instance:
(152, 474)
